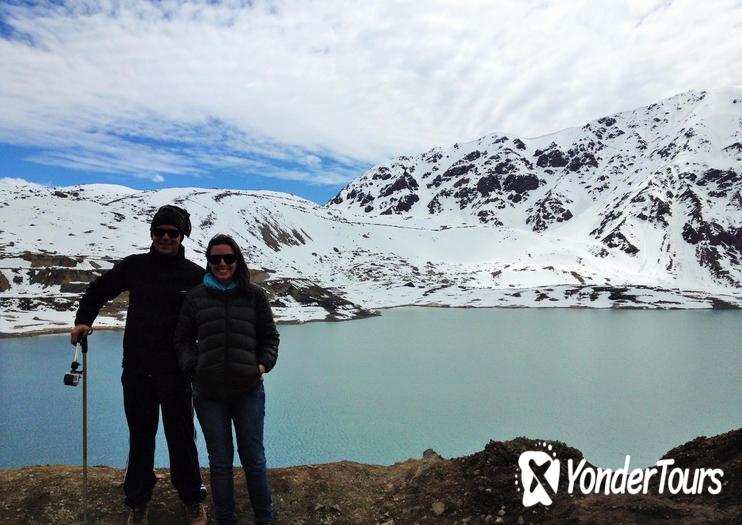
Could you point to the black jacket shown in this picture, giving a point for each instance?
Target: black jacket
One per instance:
(222, 336)
(157, 285)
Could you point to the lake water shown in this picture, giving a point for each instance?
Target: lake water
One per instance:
(384, 389)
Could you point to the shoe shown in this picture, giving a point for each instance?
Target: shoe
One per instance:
(138, 515)
(196, 514)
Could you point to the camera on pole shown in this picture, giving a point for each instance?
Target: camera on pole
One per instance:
(72, 378)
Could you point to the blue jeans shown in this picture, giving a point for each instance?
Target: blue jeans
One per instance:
(247, 412)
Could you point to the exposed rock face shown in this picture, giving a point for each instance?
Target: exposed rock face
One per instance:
(488, 184)
(60, 276)
(520, 183)
(548, 210)
(616, 239)
(405, 182)
(401, 205)
(553, 158)
(308, 293)
(40, 260)
(275, 237)
(478, 489)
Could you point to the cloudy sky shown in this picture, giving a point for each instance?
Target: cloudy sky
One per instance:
(303, 96)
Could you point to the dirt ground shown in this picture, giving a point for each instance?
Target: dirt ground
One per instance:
(473, 490)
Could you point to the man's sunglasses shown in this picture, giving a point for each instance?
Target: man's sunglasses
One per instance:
(229, 258)
(162, 232)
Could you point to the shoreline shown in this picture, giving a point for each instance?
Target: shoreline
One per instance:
(66, 330)
(376, 312)
(732, 429)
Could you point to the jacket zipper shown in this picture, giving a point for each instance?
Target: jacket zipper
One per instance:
(226, 342)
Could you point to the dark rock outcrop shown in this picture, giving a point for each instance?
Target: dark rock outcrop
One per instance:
(554, 158)
(548, 210)
(520, 183)
(616, 239)
(402, 205)
(405, 182)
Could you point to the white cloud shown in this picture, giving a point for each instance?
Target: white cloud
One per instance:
(263, 84)
(314, 176)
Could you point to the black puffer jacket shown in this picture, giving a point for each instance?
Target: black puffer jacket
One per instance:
(157, 285)
(222, 336)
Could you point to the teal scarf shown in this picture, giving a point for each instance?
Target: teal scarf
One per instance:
(211, 282)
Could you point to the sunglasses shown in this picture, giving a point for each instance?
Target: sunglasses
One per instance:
(229, 258)
(162, 232)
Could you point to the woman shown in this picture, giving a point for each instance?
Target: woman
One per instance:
(226, 340)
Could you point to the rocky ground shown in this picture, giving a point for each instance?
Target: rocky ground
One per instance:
(474, 490)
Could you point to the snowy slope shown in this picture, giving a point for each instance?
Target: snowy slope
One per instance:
(639, 209)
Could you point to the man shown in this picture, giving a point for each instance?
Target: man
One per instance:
(157, 282)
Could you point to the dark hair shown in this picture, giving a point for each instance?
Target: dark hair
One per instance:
(241, 273)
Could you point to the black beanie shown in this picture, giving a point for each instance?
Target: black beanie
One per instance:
(174, 215)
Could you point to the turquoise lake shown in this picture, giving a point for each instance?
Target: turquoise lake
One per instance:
(384, 389)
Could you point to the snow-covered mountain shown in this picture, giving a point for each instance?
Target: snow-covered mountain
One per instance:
(661, 183)
(639, 209)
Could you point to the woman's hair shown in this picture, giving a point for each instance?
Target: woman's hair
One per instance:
(241, 273)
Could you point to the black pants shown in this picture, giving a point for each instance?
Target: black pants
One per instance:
(144, 395)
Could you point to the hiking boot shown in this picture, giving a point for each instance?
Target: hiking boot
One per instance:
(196, 514)
(138, 516)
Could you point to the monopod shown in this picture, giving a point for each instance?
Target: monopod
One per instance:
(72, 378)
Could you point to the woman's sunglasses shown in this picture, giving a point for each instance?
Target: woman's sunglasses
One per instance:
(229, 258)
(162, 232)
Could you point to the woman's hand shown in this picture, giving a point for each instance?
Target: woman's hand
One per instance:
(261, 369)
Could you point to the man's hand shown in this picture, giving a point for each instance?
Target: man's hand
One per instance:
(261, 369)
(80, 330)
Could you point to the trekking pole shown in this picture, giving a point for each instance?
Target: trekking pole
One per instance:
(84, 344)
(72, 378)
